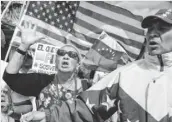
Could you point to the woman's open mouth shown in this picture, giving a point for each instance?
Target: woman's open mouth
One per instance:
(153, 43)
(65, 64)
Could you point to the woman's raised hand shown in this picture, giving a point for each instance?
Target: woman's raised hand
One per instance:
(28, 34)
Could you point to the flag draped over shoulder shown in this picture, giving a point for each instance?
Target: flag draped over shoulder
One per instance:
(80, 23)
(96, 104)
(101, 98)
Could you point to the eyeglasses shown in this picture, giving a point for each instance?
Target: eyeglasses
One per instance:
(71, 54)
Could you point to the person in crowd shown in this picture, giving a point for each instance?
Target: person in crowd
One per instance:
(49, 89)
(12, 103)
(86, 73)
(143, 87)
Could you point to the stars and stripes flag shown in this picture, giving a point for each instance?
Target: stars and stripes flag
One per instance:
(96, 16)
(80, 23)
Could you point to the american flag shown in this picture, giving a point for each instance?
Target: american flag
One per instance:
(80, 23)
(95, 16)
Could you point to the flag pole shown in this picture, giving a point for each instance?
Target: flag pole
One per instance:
(8, 51)
(3, 13)
(10, 45)
(6, 8)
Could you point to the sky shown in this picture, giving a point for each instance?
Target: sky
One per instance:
(144, 8)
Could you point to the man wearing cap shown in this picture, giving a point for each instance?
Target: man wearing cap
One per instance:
(164, 18)
(140, 91)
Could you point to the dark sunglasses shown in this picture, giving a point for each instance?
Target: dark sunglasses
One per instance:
(71, 54)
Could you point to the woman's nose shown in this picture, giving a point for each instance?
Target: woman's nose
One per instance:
(66, 57)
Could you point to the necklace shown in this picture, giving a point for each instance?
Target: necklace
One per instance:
(68, 84)
(71, 83)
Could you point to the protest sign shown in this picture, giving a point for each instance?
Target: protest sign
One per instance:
(44, 59)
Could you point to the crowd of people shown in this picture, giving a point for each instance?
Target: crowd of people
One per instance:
(145, 98)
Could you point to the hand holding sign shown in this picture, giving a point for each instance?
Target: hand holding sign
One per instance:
(28, 34)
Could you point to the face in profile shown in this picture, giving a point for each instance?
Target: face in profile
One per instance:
(159, 38)
(67, 59)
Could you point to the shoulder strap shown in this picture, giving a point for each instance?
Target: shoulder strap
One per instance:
(85, 84)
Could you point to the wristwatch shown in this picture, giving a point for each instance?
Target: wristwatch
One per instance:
(21, 51)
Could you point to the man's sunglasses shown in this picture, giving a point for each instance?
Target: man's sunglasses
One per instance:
(71, 54)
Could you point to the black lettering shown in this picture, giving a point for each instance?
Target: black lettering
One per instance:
(44, 67)
(47, 49)
(52, 68)
(52, 49)
(52, 59)
(40, 47)
(56, 50)
(40, 66)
